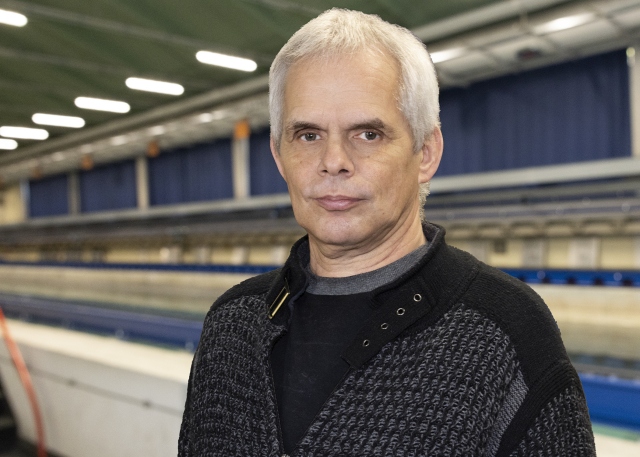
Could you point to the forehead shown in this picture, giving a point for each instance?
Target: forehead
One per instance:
(326, 83)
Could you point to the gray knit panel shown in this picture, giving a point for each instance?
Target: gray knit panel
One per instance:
(517, 391)
(437, 392)
(233, 411)
(561, 429)
(364, 282)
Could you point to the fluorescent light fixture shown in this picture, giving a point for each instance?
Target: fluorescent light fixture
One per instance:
(24, 133)
(58, 156)
(447, 54)
(8, 144)
(212, 116)
(157, 130)
(58, 120)
(204, 117)
(12, 18)
(119, 140)
(99, 104)
(150, 85)
(222, 60)
(563, 23)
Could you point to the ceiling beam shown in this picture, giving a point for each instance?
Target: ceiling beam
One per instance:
(496, 12)
(121, 28)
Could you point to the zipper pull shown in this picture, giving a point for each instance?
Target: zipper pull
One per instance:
(280, 299)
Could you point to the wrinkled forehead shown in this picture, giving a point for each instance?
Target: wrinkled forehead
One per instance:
(320, 62)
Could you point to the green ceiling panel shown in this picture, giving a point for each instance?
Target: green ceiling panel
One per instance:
(79, 47)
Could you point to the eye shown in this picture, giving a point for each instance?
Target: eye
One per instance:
(309, 136)
(369, 135)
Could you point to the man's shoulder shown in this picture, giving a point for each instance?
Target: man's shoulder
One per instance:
(522, 314)
(505, 293)
(256, 285)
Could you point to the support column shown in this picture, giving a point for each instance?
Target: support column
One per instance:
(240, 160)
(142, 182)
(73, 192)
(634, 94)
(25, 197)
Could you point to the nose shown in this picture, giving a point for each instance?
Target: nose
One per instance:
(336, 159)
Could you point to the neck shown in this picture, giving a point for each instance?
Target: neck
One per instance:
(341, 261)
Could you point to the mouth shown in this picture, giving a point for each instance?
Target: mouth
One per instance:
(337, 202)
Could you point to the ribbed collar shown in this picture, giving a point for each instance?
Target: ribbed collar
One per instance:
(363, 282)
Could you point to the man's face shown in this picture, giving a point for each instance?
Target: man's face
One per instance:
(346, 150)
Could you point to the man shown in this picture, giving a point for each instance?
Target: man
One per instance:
(375, 338)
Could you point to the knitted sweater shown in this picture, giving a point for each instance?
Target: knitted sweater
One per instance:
(459, 359)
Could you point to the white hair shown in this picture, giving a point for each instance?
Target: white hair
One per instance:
(339, 31)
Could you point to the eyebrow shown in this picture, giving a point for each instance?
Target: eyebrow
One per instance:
(371, 124)
(294, 126)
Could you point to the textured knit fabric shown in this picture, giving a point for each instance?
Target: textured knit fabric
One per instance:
(306, 360)
(565, 413)
(458, 359)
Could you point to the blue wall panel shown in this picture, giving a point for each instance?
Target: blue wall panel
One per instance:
(612, 401)
(197, 173)
(571, 112)
(264, 175)
(108, 187)
(48, 196)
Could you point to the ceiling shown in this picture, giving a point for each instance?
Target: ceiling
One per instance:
(72, 48)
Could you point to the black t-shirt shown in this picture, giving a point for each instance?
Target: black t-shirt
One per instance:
(306, 362)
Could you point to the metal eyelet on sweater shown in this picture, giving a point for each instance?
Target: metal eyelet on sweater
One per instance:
(417, 297)
(365, 343)
(400, 311)
(384, 326)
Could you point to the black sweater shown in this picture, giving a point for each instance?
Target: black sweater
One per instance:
(470, 362)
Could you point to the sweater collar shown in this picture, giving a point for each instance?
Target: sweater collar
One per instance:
(398, 305)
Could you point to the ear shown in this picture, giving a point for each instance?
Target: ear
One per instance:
(276, 157)
(431, 153)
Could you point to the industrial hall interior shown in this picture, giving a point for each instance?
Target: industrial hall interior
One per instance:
(137, 185)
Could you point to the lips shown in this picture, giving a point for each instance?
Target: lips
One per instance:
(337, 202)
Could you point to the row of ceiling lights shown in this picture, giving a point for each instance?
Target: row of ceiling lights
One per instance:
(11, 133)
(207, 57)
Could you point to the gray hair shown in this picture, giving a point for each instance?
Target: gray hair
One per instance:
(339, 31)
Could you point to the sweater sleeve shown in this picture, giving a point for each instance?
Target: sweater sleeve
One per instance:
(561, 428)
(184, 445)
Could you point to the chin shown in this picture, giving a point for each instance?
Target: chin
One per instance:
(338, 232)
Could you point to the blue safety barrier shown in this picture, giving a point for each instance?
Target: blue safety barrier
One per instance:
(612, 401)
(629, 278)
(221, 268)
(148, 327)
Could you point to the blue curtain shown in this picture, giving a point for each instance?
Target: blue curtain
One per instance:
(48, 196)
(196, 173)
(264, 175)
(108, 187)
(571, 112)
